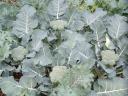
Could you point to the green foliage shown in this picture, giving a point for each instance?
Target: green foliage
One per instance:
(5, 43)
(75, 82)
(25, 22)
(114, 87)
(63, 47)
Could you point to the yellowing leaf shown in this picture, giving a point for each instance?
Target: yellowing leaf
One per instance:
(109, 44)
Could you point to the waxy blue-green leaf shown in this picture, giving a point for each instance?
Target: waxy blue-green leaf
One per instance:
(57, 8)
(90, 18)
(13, 88)
(75, 83)
(115, 87)
(76, 51)
(4, 51)
(37, 37)
(117, 26)
(6, 10)
(44, 56)
(47, 34)
(5, 43)
(25, 22)
(99, 29)
(90, 2)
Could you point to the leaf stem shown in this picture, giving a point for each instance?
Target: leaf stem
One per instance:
(112, 91)
(57, 15)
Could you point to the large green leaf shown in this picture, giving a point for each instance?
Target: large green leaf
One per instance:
(115, 87)
(39, 4)
(44, 56)
(31, 69)
(68, 35)
(76, 52)
(117, 27)
(74, 3)
(57, 8)
(5, 43)
(61, 41)
(5, 9)
(123, 46)
(75, 21)
(123, 4)
(37, 37)
(90, 18)
(13, 88)
(99, 30)
(4, 52)
(76, 82)
(25, 21)
(62, 91)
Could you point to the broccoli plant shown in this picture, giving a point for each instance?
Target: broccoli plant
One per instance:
(63, 48)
